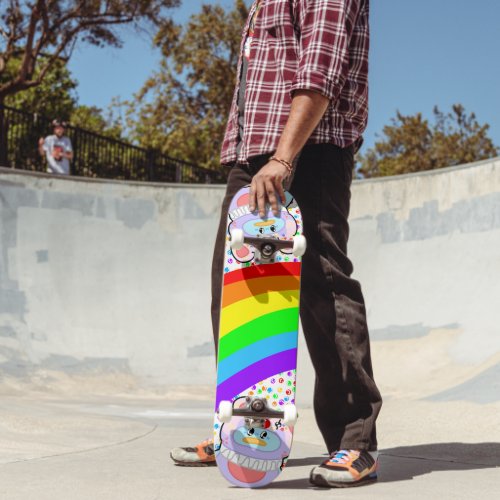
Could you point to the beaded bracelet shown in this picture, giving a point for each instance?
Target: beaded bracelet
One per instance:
(287, 164)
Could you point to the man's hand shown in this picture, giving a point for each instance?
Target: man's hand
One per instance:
(307, 109)
(267, 186)
(41, 142)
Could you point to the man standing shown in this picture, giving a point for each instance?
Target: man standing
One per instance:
(57, 148)
(300, 107)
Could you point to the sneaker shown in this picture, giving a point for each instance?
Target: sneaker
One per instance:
(346, 468)
(202, 455)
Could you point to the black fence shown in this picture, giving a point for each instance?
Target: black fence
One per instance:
(94, 155)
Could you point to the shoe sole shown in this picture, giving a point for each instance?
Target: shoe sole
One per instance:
(321, 481)
(193, 464)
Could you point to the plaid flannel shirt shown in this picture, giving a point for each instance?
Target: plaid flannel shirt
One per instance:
(318, 45)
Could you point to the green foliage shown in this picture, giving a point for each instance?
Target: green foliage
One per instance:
(54, 97)
(412, 144)
(92, 118)
(182, 108)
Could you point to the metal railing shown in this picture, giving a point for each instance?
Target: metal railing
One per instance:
(95, 155)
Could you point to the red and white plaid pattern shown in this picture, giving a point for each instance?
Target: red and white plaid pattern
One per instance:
(319, 45)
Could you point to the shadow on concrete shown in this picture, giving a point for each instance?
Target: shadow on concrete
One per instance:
(300, 462)
(406, 462)
(291, 484)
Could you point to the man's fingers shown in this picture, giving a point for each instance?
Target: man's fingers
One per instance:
(257, 196)
(261, 198)
(271, 196)
(266, 187)
(252, 195)
(281, 192)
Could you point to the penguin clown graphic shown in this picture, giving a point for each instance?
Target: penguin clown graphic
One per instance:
(252, 452)
(283, 226)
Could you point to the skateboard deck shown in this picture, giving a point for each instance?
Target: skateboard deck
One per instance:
(257, 351)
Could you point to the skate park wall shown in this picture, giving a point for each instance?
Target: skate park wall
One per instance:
(112, 278)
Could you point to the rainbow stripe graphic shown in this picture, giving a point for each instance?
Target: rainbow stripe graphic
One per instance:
(259, 326)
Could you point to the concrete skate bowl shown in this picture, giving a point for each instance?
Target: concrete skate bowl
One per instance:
(104, 285)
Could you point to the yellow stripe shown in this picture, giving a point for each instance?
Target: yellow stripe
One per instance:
(246, 310)
(268, 222)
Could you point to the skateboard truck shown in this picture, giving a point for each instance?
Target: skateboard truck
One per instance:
(268, 246)
(257, 407)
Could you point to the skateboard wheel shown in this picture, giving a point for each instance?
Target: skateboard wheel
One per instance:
(291, 416)
(299, 245)
(225, 411)
(237, 239)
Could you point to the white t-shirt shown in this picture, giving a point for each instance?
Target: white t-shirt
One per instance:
(54, 146)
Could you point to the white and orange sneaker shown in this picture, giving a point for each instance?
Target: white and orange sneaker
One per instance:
(346, 468)
(201, 455)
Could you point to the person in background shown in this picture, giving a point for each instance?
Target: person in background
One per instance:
(57, 149)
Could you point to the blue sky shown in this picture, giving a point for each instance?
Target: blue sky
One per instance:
(425, 53)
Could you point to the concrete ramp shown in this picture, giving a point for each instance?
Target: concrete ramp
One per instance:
(105, 286)
(426, 249)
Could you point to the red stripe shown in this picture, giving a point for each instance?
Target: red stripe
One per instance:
(263, 270)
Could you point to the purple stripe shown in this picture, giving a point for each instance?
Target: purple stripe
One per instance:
(265, 368)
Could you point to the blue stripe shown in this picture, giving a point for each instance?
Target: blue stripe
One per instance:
(252, 353)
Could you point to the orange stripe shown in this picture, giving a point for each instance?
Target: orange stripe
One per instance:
(243, 289)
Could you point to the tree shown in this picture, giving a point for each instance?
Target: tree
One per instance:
(54, 97)
(92, 118)
(43, 32)
(182, 109)
(412, 144)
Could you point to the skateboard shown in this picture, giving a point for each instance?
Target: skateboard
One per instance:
(255, 409)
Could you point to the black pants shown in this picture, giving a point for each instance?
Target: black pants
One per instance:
(332, 309)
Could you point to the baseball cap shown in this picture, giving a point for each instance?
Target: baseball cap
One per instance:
(59, 123)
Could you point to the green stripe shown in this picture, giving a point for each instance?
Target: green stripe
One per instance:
(285, 320)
